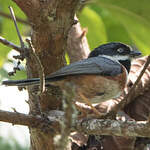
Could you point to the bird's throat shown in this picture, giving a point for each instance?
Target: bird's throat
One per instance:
(126, 64)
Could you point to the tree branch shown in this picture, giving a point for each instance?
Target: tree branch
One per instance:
(70, 115)
(77, 45)
(10, 44)
(39, 66)
(19, 118)
(132, 90)
(16, 26)
(38, 121)
(114, 128)
(92, 126)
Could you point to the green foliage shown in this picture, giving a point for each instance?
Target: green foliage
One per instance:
(8, 31)
(7, 28)
(96, 28)
(125, 21)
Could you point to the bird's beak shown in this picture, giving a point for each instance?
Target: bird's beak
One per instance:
(135, 53)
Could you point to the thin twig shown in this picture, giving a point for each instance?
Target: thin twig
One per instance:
(3, 14)
(14, 19)
(136, 82)
(10, 44)
(86, 101)
(39, 65)
(70, 115)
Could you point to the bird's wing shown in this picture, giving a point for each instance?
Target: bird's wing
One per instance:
(94, 65)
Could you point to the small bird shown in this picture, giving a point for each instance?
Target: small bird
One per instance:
(100, 77)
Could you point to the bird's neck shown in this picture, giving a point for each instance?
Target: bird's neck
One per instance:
(124, 60)
(126, 64)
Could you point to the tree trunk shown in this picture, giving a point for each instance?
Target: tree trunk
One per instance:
(51, 21)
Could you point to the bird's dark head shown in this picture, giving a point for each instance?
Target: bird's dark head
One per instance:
(118, 52)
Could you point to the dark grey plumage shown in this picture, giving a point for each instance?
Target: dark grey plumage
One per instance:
(94, 65)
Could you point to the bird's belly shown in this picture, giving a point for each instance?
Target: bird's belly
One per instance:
(97, 88)
(111, 91)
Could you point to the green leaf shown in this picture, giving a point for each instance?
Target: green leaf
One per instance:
(96, 30)
(114, 29)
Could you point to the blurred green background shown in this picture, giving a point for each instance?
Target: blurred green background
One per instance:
(106, 20)
(117, 20)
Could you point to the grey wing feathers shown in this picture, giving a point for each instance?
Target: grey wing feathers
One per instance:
(94, 65)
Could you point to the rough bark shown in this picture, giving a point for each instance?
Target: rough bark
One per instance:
(89, 127)
(77, 46)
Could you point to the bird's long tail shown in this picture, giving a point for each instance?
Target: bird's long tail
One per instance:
(33, 81)
(26, 82)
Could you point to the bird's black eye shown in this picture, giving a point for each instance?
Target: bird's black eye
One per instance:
(120, 50)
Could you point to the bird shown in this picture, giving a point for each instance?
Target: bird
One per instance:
(100, 77)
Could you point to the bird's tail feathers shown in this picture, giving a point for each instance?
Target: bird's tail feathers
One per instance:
(26, 82)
